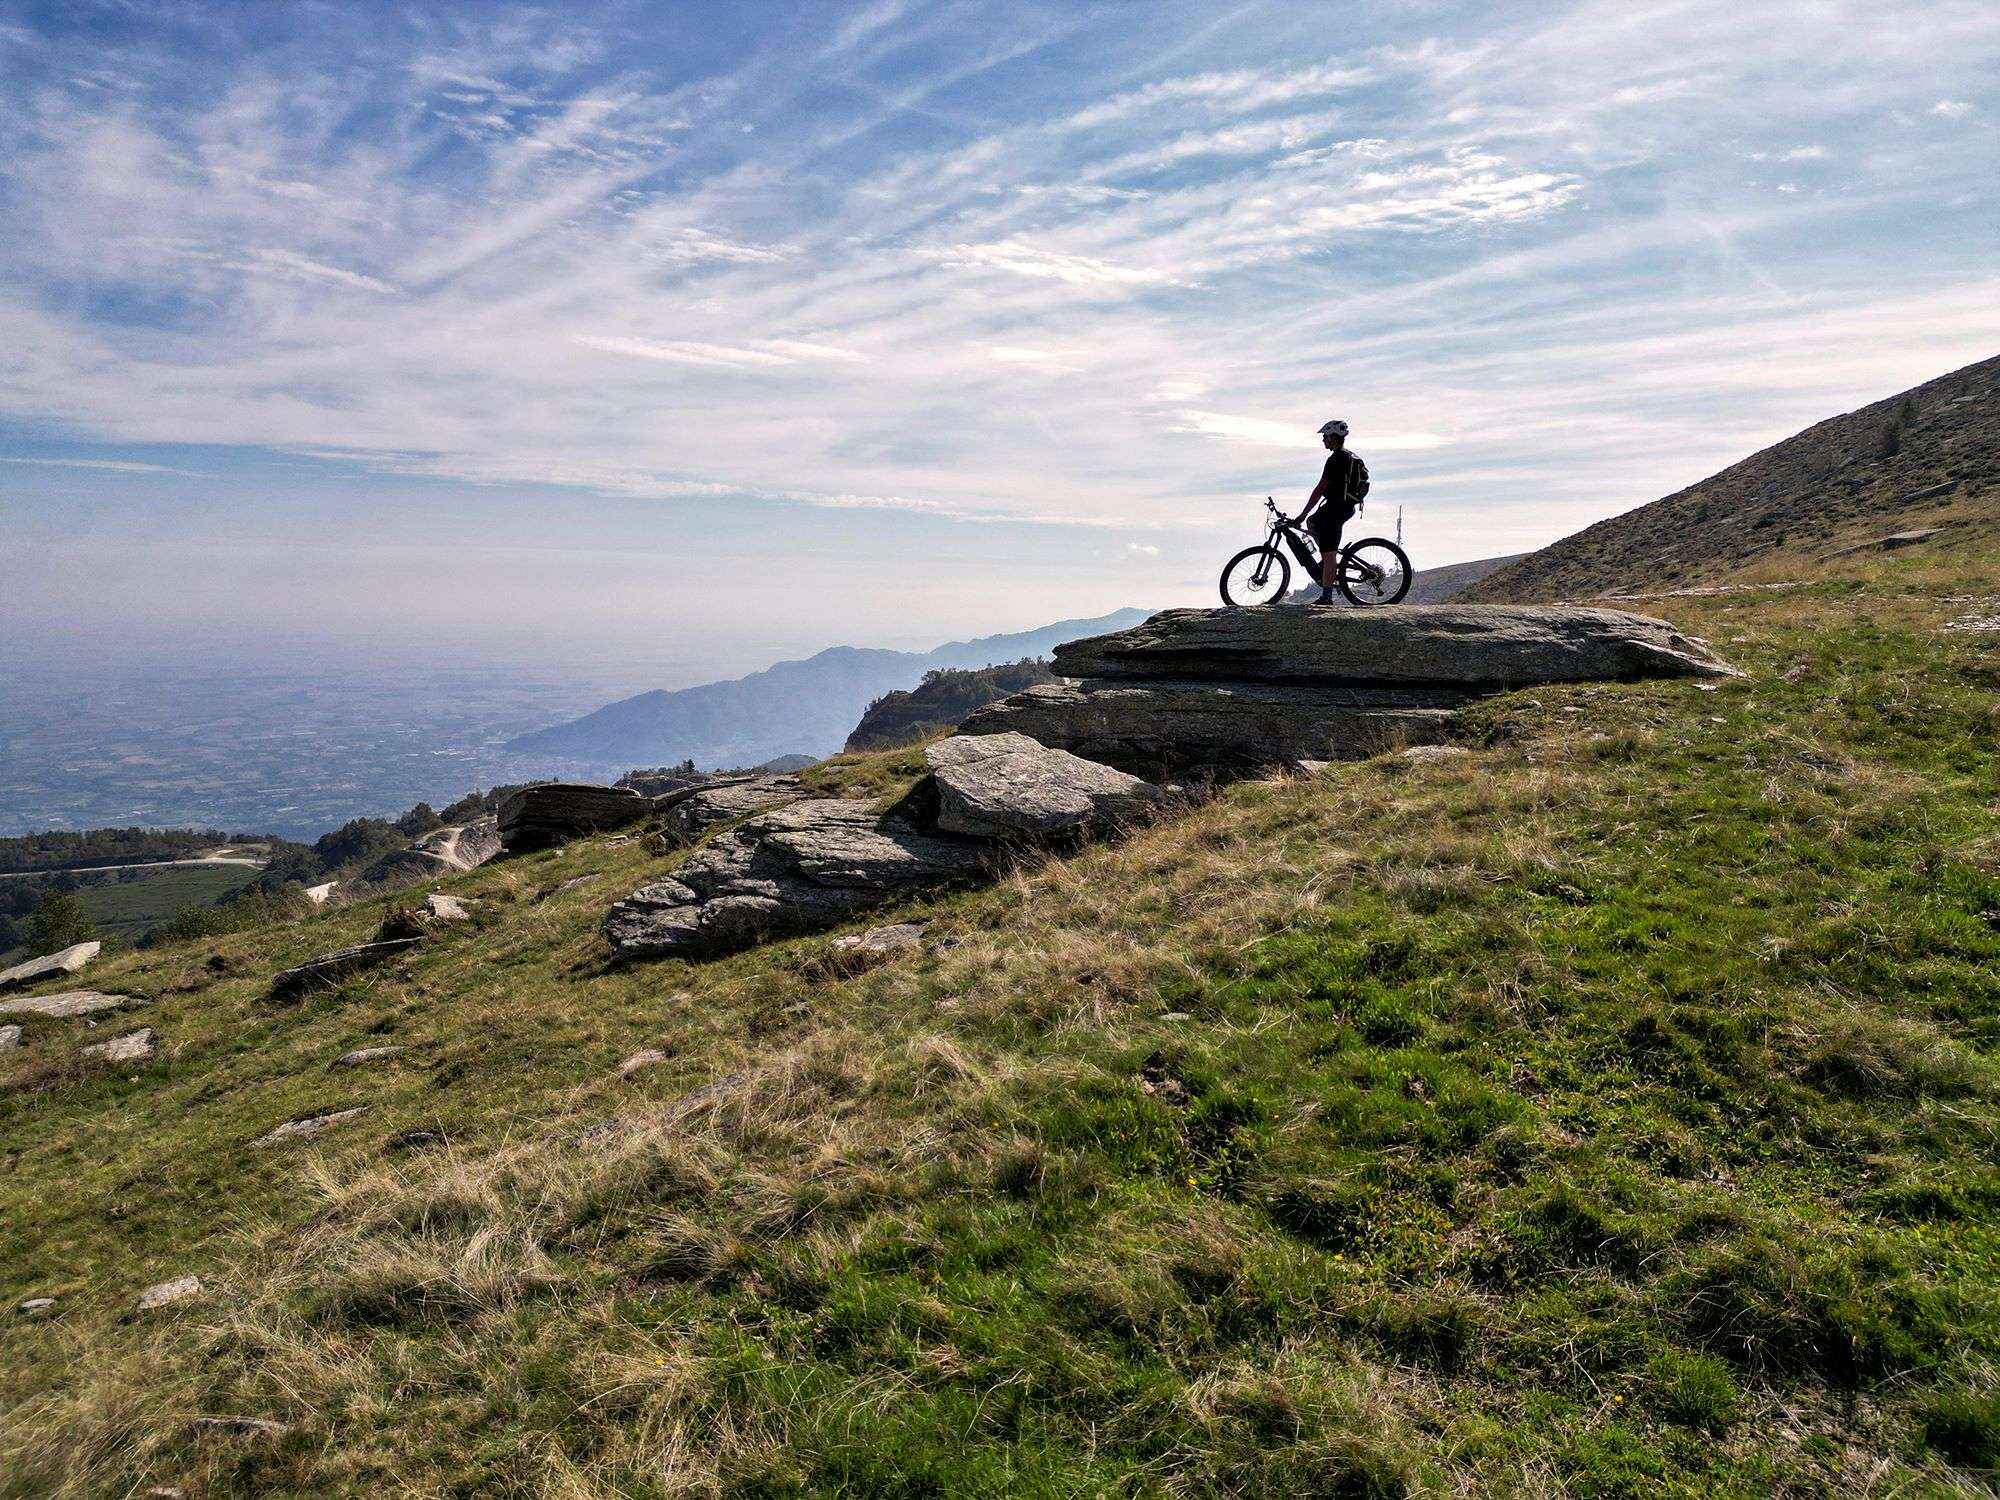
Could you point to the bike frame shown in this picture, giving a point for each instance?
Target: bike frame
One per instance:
(1283, 526)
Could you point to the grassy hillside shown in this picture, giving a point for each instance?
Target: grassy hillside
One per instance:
(126, 909)
(1927, 457)
(1609, 1111)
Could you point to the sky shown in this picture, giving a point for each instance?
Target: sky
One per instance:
(702, 334)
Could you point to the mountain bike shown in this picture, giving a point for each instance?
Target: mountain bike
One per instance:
(1372, 571)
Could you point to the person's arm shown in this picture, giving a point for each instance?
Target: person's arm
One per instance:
(1312, 500)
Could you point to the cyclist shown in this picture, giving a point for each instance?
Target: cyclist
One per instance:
(1333, 502)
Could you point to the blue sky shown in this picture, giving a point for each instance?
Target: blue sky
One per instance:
(712, 333)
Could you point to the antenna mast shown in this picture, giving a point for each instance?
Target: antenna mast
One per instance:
(1399, 526)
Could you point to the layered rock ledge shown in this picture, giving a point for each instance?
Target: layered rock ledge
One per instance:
(1227, 690)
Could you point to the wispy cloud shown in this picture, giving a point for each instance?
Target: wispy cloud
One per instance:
(107, 466)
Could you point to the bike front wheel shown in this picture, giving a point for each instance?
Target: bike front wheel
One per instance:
(1256, 575)
(1374, 571)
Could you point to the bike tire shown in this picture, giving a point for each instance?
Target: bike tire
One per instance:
(1391, 590)
(1249, 601)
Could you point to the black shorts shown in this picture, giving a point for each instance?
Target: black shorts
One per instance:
(1325, 526)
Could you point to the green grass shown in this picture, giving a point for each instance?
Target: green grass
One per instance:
(1610, 1112)
(125, 910)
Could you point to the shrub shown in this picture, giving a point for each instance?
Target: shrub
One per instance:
(59, 922)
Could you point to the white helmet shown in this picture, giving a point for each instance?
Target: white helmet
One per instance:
(1335, 429)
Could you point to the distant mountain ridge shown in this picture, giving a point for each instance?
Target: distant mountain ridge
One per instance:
(1928, 456)
(792, 707)
(1435, 585)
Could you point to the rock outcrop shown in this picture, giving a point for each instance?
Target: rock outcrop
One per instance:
(69, 961)
(1229, 690)
(691, 813)
(791, 870)
(64, 1004)
(1001, 786)
(330, 969)
(553, 812)
(442, 851)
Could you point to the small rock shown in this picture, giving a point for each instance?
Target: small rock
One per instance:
(10, 1038)
(1423, 753)
(879, 940)
(1175, 1015)
(68, 961)
(362, 1055)
(64, 1004)
(572, 884)
(1793, 674)
(133, 1047)
(414, 1140)
(162, 1293)
(644, 1058)
(307, 1126)
(34, 1307)
(166, 1492)
(447, 908)
(1312, 767)
(1704, 687)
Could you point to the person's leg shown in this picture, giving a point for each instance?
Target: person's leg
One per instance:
(1327, 534)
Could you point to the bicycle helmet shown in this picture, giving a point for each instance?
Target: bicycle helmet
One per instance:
(1334, 429)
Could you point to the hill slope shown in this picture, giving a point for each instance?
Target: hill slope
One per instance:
(1782, 510)
(793, 707)
(941, 701)
(1608, 1111)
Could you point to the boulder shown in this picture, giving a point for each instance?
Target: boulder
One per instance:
(65, 1003)
(692, 813)
(442, 908)
(793, 869)
(1166, 725)
(165, 1293)
(1470, 647)
(10, 1038)
(133, 1047)
(553, 812)
(330, 968)
(1009, 786)
(69, 961)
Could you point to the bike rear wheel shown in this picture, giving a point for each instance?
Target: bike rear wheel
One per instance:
(1256, 575)
(1374, 571)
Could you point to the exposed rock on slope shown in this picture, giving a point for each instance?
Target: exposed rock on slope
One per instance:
(550, 812)
(443, 851)
(1931, 453)
(1000, 786)
(1223, 690)
(69, 961)
(787, 871)
(691, 814)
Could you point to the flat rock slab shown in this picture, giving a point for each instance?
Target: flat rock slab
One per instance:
(1475, 647)
(65, 1003)
(309, 1125)
(330, 969)
(692, 815)
(794, 869)
(1007, 785)
(133, 1047)
(34, 1307)
(69, 961)
(554, 812)
(361, 1056)
(447, 908)
(1234, 726)
(166, 1293)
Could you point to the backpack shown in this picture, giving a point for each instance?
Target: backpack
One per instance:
(1357, 479)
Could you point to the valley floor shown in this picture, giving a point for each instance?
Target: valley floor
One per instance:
(1609, 1111)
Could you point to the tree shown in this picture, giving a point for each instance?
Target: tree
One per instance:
(59, 922)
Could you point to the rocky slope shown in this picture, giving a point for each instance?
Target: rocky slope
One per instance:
(1928, 456)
